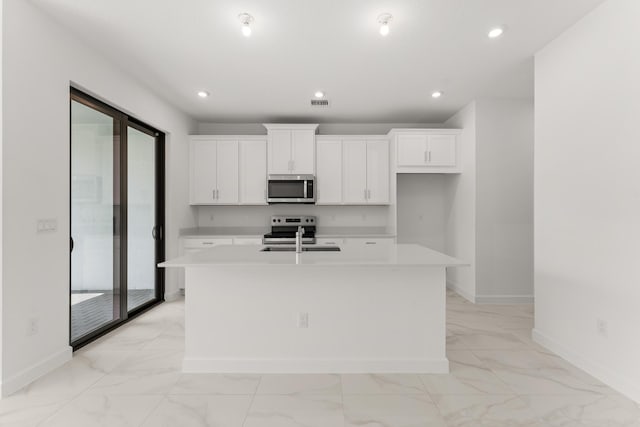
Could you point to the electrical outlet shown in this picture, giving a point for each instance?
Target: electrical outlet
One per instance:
(32, 326)
(303, 320)
(602, 328)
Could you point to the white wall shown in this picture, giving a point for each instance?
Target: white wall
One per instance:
(587, 194)
(1, 188)
(40, 60)
(461, 204)
(504, 185)
(422, 209)
(260, 216)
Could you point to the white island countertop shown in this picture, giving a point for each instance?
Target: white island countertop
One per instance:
(251, 255)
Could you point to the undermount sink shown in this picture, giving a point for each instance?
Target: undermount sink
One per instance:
(304, 249)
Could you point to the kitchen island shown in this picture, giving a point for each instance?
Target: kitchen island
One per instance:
(366, 310)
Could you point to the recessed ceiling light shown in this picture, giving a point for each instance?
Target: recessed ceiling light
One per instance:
(319, 94)
(436, 94)
(495, 32)
(384, 20)
(203, 94)
(246, 20)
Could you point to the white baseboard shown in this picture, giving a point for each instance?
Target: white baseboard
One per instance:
(464, 294)
(612, 379)
(339, 366)
(504, 299)
(35, 371)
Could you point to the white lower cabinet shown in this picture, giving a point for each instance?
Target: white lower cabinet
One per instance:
(329, 241)
(204, 243)
(247, 240)
(367, 241)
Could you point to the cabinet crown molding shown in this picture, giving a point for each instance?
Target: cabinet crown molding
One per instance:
(278, 126)
(424, 131)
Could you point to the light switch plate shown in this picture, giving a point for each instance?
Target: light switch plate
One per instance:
(47, 225)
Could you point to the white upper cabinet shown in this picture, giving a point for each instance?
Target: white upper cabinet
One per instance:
(228, 170)
(427, 150)
(253, 172)
(328, 172)
(203, 171)
(352, 170)
(279, 151)
(291, 149)
(303, 151)
(378, 172)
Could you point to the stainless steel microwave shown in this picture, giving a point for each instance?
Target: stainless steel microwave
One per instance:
(291, 189)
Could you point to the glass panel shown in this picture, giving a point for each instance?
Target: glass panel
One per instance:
(94, 274)
(141, 202)
(286, 189)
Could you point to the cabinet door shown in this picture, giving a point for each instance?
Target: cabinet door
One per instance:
(364, 242)
(442, 150)
(354, 172)
(203, 171)
(303, 151)
(227, 177)
(378, 172)
(253, 172)
(329, 172)
(412, 150)
(280, 152)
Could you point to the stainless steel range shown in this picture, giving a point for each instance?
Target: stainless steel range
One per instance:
(283, 230)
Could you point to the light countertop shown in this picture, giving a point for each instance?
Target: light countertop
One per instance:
(321, 232)
(250, 255)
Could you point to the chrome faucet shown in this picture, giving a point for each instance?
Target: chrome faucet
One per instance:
(299, 235)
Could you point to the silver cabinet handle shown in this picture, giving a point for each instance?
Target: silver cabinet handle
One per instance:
(213, 194)
(370, 243)
(368, 194)
(429, 156)
(365, 194)
(426, 158)
(207, 243)
(293, 165)
(329, 243)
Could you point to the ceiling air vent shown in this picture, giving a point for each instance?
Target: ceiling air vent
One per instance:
(319, 102)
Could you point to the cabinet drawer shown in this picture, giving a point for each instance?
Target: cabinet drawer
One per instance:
(205, 243)
(377, 241)
(247, 240)
(328, 241)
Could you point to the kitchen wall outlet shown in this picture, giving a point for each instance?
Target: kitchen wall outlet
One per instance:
(33, 325)
(303, 320)
(602, 327)
(47, 225)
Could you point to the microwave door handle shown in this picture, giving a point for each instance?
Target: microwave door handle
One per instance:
(305, 189)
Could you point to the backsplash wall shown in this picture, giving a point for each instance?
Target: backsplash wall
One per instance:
(260, 216)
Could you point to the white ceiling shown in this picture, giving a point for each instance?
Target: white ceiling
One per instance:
(300, 46)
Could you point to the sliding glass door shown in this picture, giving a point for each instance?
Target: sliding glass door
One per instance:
(117, 217)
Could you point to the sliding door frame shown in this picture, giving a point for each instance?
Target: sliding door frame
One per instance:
(121, 124)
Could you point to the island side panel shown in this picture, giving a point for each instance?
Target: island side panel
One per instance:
(361, 319)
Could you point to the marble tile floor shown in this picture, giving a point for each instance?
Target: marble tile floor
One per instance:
(499, 377)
